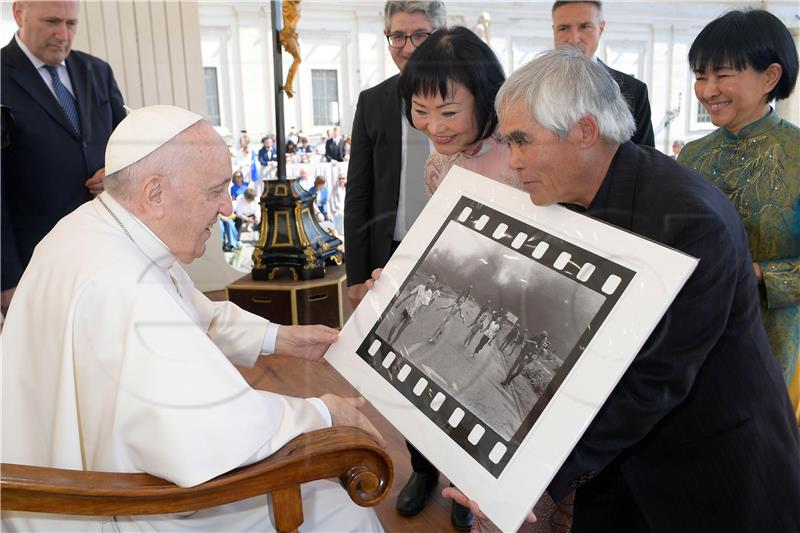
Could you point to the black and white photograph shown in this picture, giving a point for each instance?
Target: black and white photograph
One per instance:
(488, 325)
(493, 315)
(497, 330)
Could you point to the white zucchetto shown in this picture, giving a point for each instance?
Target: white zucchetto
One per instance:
(143, 131)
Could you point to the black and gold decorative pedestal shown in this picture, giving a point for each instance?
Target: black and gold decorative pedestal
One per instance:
(290, 235)
(285, 301)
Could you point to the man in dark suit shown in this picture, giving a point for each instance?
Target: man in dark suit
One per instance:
(334, 147)
(581, 24)
(387, 159)
(267, 152)
(375, 171)
(65, 105)
(699, 434)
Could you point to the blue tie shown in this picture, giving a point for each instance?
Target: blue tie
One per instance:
(66, 99)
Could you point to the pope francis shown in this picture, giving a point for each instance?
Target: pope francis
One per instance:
(114, 361)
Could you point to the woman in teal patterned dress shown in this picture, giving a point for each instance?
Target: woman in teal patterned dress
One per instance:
(742, 61)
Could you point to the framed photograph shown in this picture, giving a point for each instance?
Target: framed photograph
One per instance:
(498, 329)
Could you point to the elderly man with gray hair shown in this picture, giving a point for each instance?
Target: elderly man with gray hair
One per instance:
(699, 432)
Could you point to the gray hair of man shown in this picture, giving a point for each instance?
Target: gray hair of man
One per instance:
(435, 12)
(559, 87)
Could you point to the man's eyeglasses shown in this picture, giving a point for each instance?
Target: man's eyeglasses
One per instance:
(398, 40)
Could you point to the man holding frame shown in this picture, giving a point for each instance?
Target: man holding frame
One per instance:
(700, 428)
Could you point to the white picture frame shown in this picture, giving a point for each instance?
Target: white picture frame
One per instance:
(600, 290)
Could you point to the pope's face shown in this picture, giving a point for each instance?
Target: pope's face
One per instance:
(200, 198)
(47, 28)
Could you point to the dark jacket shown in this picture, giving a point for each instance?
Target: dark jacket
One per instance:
(333, 151)
(373, 180)
(699, 434)
(635, 93)
(265, 156)
(46, 164)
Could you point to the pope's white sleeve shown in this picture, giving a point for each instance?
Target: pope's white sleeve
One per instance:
(238, 333)
(158, 396)
(324, 412)
(270, 339)
(299, 410)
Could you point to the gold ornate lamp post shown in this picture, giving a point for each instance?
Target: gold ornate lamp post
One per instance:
(290, 235)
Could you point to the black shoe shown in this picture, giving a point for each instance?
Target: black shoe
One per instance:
(412, 498)
(461, 517)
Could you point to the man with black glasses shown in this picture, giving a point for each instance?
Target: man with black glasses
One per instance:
(385, 192)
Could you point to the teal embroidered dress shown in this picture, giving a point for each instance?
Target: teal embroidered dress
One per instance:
(759, 170)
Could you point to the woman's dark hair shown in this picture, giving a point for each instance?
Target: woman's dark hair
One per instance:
(454, 55)
(754, 38)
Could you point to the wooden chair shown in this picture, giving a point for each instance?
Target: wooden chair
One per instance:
(363, 468)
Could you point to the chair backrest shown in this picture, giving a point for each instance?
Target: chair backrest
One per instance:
(364, 469)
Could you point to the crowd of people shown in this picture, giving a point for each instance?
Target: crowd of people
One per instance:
(486, 327)
(700, 434)
(251, 168)
(261, 163)
(328, 207)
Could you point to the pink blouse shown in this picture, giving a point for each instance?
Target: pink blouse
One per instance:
(489, 159)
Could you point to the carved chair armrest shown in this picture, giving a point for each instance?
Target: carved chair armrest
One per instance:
(364, 469)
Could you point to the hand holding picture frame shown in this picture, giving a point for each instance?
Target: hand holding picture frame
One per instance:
(497, 331)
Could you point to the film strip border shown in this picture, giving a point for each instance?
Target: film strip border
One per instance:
(591, 270)
(466, 429)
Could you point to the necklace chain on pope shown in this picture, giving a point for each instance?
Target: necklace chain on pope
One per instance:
(127, 233)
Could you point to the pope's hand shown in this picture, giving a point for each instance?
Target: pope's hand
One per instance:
(305, 342)
(458, 497)
(345, 412)
(376, 275)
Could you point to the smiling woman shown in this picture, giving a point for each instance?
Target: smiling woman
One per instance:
(448, 88)
(742, 61)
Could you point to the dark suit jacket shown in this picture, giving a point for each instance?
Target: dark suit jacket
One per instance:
(265, 156)
(46, 164)
(635, 93)
(334, 152)
(373, 180)
(699, 434)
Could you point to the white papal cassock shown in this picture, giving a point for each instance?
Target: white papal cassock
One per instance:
(114, 361)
